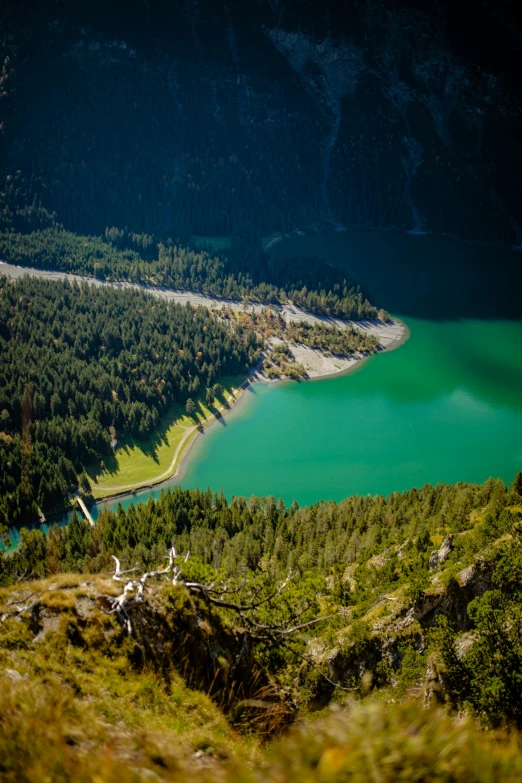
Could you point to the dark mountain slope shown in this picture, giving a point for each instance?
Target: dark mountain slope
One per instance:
(218, 117)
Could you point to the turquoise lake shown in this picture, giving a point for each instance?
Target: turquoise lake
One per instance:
(446, 406)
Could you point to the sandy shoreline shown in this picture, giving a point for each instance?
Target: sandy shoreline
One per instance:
(317, 364)
(322, 365)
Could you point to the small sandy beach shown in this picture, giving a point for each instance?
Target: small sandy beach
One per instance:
(319, 364)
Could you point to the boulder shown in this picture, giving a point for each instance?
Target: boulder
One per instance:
(439, 556)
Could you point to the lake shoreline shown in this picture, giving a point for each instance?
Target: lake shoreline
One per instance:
(238, 402)
(318, 365)
(426, 414)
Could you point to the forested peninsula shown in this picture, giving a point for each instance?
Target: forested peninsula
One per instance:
(85, 366)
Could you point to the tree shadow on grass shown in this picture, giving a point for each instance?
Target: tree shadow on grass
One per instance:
(109, 465)
(202, 414)
(150, 446)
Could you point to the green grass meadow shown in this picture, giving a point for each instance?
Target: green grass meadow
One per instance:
(137, 462)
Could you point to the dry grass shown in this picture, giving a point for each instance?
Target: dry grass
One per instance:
(48, 734)
(78, 705)
(383, 743)
(74, 706)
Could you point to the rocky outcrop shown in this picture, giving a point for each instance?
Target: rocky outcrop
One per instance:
(385, 639)
(173, 632)
(476, 578)
(434, 684)
(439, 556)
(450, 601)
(349, 663)
(464, 643)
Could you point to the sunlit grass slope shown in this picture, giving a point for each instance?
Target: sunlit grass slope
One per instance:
(139, 462)
(80, 702)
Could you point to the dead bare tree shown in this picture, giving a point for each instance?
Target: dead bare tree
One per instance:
(215, 594)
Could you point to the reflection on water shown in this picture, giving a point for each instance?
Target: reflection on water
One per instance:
(422, 276)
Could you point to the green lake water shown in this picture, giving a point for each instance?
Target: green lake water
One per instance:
(446, 406)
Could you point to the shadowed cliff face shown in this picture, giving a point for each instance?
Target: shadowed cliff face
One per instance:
(207, 117)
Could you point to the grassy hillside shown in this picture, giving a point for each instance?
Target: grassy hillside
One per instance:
(81, 702)
(415, 595)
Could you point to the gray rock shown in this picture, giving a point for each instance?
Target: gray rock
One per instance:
(466, 575)
(439, 556)
(48, 622)
(464, 644)
(85, 607)
(435, 688)
(476, 577)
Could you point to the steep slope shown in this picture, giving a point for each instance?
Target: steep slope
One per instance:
(375, 605)
(98, 683)
(374, 114)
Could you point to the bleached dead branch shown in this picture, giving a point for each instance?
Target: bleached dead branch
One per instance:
(217, 595)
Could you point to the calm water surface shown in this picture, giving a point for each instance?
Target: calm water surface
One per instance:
(446, 406)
